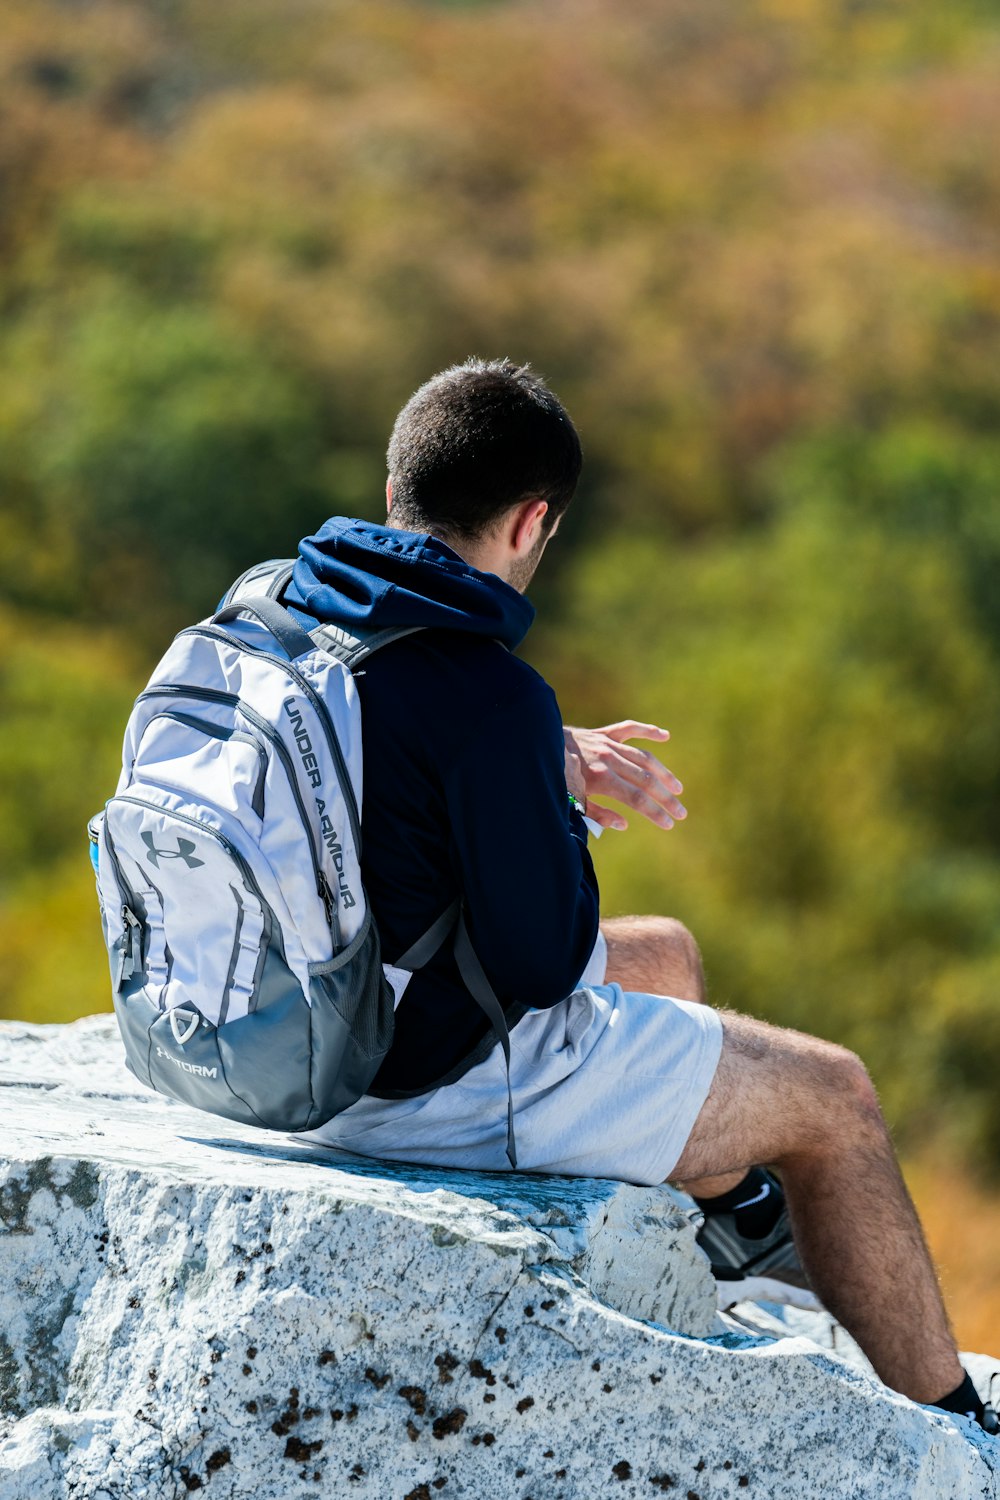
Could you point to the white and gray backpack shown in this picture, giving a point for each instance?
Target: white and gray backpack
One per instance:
(247, 976)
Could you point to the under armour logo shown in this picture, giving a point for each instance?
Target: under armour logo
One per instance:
(183, 851)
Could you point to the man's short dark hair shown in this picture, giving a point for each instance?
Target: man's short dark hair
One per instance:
(476, 440)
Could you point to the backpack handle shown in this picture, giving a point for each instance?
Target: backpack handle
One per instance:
(292, 639)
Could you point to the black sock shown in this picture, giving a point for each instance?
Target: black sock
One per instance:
(963, 1401)
(756, 1204)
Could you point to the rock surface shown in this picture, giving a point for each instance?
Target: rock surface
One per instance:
(188, 1305)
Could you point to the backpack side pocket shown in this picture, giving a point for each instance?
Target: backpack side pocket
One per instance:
(352, 1016)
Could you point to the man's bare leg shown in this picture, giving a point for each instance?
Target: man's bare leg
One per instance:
(656, 955)
(809, 1108)
(659, 956)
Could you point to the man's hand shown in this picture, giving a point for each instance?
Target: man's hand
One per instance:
(599, 763)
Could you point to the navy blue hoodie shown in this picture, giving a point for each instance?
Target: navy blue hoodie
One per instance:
(464, 787)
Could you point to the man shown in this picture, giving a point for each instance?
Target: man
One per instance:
(473, 787)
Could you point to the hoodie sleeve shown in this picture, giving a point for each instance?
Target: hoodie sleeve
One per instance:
(521, 852)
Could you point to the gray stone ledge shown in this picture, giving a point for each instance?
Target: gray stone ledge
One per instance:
(185, 1304)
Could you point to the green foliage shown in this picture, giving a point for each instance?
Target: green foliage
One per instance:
(164, 437)
(752, 245)
(65, 693)
(917, 477)
(53, 963)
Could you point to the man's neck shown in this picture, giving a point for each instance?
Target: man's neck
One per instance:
(482, 555)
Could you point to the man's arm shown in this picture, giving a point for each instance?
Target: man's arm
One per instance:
(599, 763)
(520, 852)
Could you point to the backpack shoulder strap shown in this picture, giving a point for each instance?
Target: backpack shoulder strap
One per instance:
(352, 647)
(268, 580)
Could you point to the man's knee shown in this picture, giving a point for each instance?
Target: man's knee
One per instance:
(681, 951)
(814, 1067)
(782, 1098)
(816, 1094)
(657, 954)
(678, 939)
(838, 1098)
(852, 1083)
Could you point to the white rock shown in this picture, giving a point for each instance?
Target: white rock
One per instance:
(185, 1304)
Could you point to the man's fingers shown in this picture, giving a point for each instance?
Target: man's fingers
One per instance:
(638, 789)
(637, 801)
(663, 814)
(631, 729)
(639, 783)
(647, 769)
(605, 816)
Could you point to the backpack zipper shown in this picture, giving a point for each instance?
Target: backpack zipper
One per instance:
(130, 957)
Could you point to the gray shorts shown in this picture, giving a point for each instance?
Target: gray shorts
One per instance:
(608, 1083)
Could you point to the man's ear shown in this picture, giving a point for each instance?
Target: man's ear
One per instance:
(527, 525)
(388, 496)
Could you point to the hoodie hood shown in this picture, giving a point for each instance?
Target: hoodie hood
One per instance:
(360, 575)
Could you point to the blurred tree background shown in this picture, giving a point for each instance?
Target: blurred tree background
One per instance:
(754, 246)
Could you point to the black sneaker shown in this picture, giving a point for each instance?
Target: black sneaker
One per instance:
(745, 1270)
(989, 1421)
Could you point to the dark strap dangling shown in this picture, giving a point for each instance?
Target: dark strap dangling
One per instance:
(476, 982)
(481, 991)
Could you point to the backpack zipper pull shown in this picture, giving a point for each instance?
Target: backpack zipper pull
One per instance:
(131, 952)
(327, 898)
(330, 907)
